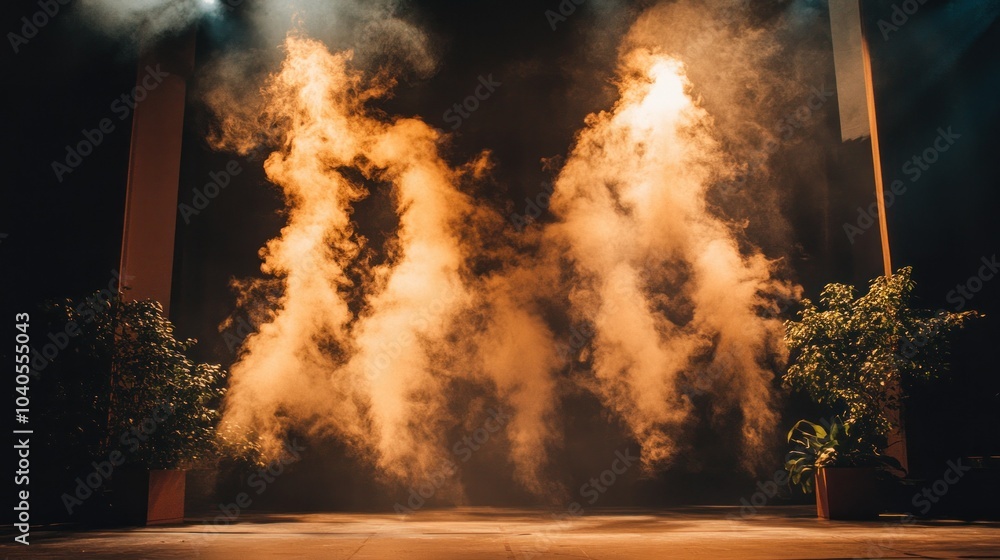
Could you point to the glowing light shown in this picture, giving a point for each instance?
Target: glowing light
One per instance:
(211, 8)
(641, 171)
(376, 364)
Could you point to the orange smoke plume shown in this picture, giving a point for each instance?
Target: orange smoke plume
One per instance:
(674, 301)
(369, 350)
(330, 360)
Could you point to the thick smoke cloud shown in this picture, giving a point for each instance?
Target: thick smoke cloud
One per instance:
(365, 376)
(372, 29)
(378, 377)
(753, 67)
(144, 18)
(673, 299)
(384, 347)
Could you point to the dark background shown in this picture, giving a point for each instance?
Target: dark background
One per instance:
(941, 69)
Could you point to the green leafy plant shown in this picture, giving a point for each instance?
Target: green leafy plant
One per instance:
(835, 445)
(126, 384)
(856, 355)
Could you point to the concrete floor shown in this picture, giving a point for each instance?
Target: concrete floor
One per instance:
(506, 534)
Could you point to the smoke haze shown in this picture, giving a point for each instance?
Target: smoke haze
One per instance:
(393, 347)
(144, 18)
(674, 302)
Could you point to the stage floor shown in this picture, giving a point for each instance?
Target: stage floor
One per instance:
(507, 534)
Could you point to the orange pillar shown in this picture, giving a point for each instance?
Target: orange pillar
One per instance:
(897, 439)
(147, 256)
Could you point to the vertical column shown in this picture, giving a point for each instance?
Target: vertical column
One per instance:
(154, 169)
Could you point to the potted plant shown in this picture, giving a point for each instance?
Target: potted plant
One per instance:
(855, 357)
(140, 409)
(833, 455)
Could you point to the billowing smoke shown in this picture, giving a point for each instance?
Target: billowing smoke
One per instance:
(754, 67)
(362, 373)
(384, 346)
(366, 350)
(515, 351)
(674, 301)
(144, 18)
(372, 29)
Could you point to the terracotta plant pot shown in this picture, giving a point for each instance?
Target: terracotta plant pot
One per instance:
(149, 497)
(846, 493)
